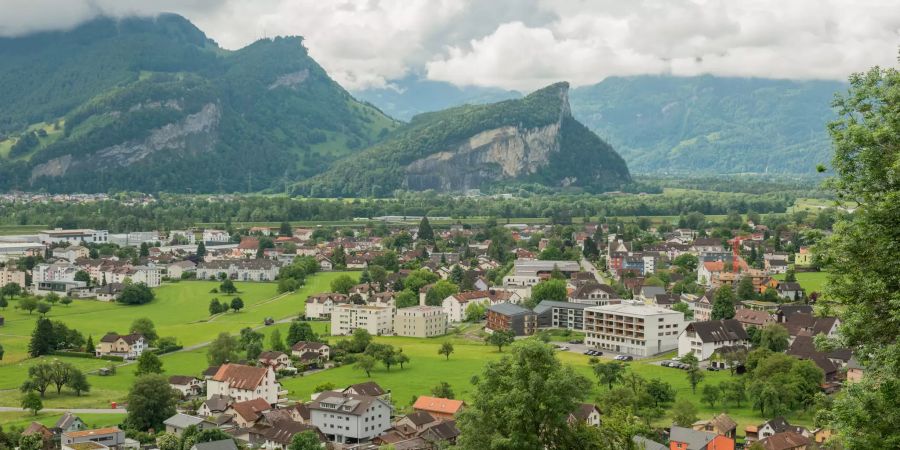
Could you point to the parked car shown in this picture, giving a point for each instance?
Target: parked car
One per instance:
(576, 341)
(627, 358)
(665, 363)
(589, 352)
(269, 321)
(713, 369)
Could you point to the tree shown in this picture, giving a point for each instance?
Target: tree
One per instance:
(28, 304)
(83, 276)
(146, 328)
(745, 290)
(201, 250)
(42, 338)
(446, 349)
(359, 340)
(693, 372)
(79, 383)
(33, 441)
(276, 344)
(710, 394)
(135, 294)
(686, 262)
(365, 363)
(401, 358)
(790, 276)
(306, 440)
(66, 301)
(215, 307)
(733, 391)
(407, 298)
(300, 331)
(32, 402)
(223, 348)
(723, 304)
(774, 337)
(227, 287)
(61, 374)
(52, 298)
(685, 309)
(522, 401)
(43, 308)
(443, 390)
(661, 392)
(168, 441)
(554, 290)
(475, 311)
(609, 373)
(343, 284)
(237, 304)
(426, 233)
(147, 363)
(501, 338)
(150, 401)
(684, 413)
(441, 290)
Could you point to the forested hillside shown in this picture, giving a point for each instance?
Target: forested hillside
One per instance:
(711, 125)
(152, 104)
(533, 139)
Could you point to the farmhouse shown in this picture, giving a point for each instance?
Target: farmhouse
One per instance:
(128, 346)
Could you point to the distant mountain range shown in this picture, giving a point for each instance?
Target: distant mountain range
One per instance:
(681, 125)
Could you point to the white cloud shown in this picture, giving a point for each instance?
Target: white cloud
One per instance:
(524, 44)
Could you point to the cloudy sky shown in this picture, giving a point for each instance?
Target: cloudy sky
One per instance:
(525, 44)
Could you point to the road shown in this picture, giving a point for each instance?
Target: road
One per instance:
(590, 267)
(72, 410)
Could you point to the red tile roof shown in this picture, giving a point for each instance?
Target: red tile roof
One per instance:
(239, 376)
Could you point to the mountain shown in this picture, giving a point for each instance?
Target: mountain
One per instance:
(711, 125)
(530, 140)
(412, 95)
(152, 104)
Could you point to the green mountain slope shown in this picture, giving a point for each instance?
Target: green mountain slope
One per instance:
(152, 104)
(533, 139)
(711, 125)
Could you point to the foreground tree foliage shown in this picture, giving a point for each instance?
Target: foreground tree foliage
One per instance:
(150, 401)
(861, 257)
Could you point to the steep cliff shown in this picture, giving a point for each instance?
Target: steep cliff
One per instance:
(533, 139)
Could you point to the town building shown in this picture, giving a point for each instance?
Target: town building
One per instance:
(12, 276)
(320, 306)
(509, 317)
(438, 407)
(241, 269)
(456, 305)
(681, 438)
(216, 236)
(350, 418)
(61, 236)
(128, 346)
(594, 294)
(702, 339)
(568, 315)
(322, 350)
(242, 383)
(527, 272)
(377, 320)
(633, 329)
(111, 437)
(420, 321)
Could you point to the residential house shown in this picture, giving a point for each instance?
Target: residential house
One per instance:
(772, 427)
(214, 406)
(416, 421)
(681, 438)
(721, 424)
(180, 422)
(586, 413)
(509, 317)
(421, 321)
(45, 433)
(803, 258)
(442, 434)
(703, 306)
(790, 291)
(750, 318)
(224, 444)
(242, 269)
(350, 418)
(242, 383)
(804, 348)
(707, 270)
(177, 270)
(248, 412)
(71, 253)
(594, 294)
(68, 422)
(320, 306)
(110, 292)
(633, 329)
(188, 386)
(276, 360)
(437, 407)
(325, 263)
(377, 320)
(455, 305)
(216, 236)
(128, 346)
(703, 338)
(111, 437)
(368, 388)
(568, 315)
(855, 371)
(322, 350)
(787, 440)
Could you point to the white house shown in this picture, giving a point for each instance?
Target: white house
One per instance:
(350, 418)
(243, 383)
(377, 320)
(455, 305)
(240, 269)
(218, 236)
(704, 338)
(320, 306)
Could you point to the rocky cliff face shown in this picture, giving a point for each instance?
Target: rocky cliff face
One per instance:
(492, 155)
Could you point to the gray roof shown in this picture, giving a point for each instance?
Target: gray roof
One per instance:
(652, 291)
(509, 309)
(695, 440)
(647, 444)
(224, 444)
(182, 421)
(545, 305)
(719, 330)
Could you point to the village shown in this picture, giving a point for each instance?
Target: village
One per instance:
(613, 294)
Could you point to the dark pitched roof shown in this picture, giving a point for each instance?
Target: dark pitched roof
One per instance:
(693, 439)
(369, 388)
(719, 330)
(224, 444)
(787, 310)
(251, 410)
(444, 431)
(583, 411)
(784, 441)
(66, 420)
(509, 309)
(181, 380)
(420, 418)
(780, 425)
(211, 371)
(218, 403)
(357, 404)
(647, 444)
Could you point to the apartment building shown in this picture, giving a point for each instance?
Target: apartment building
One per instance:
(569, 315)
(350, 418)
(377, 320)
(243, 383)
(638, 330)
(13, 276)
(509, 317)
(421, 321)
(59, 235)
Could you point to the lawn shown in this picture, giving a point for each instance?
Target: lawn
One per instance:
(811, 281)
(11, 420)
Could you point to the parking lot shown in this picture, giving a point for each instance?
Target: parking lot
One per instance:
(582, 348)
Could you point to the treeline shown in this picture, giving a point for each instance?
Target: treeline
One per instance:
(174, 212)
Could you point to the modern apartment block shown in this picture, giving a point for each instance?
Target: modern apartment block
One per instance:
(633, 329)
(421, 321)
(377, 320)
(569, 315)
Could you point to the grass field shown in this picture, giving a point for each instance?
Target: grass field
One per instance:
(23, 419)
(811, 281)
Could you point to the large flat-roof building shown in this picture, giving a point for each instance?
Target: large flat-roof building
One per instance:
(633, 329)
(59, 235)
(567, 315)
(528, 272)
(421, 321)
(377, 320)
(509, 317)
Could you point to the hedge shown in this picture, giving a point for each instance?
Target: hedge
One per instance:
(72, 354)
(112, 358)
